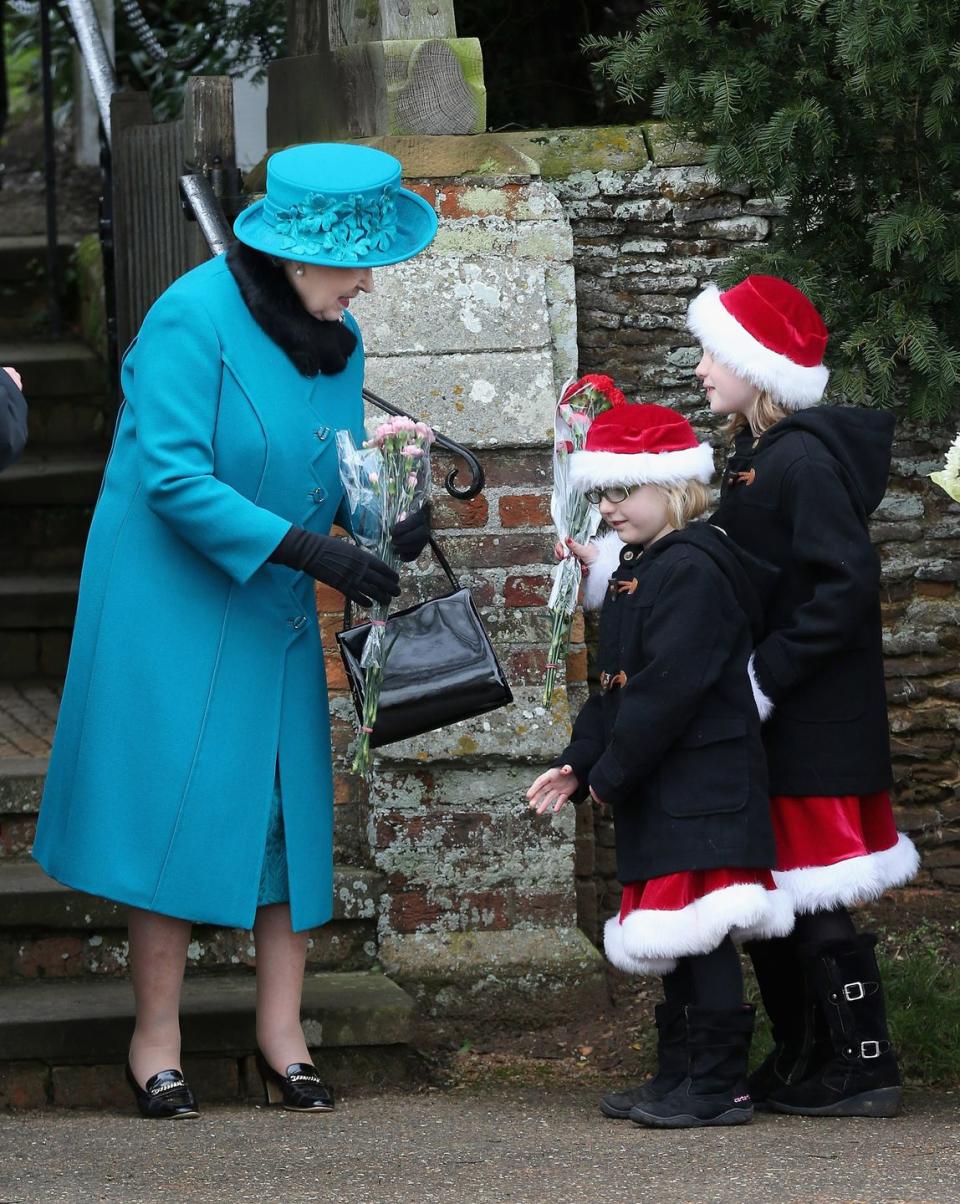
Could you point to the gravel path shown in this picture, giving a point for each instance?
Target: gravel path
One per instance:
(475, 1146)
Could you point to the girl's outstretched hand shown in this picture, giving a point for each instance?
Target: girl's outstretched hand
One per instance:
(556, 786)
(586, 553)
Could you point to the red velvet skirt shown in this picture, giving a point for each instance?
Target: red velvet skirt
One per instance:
(683, 914)
(838, 850)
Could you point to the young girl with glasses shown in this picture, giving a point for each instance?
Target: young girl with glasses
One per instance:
(672, 743)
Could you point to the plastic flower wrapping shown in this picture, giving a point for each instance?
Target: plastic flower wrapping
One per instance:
(384, 481)
(949, 477)
(580, 403)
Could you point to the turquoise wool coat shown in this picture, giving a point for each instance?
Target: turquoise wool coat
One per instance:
(196, 667)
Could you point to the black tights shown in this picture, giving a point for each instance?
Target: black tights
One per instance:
(824, 926)
(713, 980)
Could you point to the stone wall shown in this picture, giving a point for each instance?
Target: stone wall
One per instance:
(478, 892)
(648, 236)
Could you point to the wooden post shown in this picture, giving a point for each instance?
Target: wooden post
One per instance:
(154, 243)
(307, 24)
(359, 68)
(209, 140)
(353, 21)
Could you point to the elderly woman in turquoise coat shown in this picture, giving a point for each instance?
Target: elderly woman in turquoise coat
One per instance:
(191, 773)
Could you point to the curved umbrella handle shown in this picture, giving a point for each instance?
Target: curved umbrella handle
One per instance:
(477, 480)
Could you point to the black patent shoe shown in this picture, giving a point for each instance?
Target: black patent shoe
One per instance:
(167, 1096)
(299, 1090)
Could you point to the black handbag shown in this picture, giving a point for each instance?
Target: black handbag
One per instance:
(440, 666)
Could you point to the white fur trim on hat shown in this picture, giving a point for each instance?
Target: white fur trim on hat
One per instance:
(764, 704)
(746, 909)
(793, 385)
(595, 583)
(597, 469)
(851, 881)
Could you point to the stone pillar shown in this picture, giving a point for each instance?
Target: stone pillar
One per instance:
(379, 67)
(479, 911)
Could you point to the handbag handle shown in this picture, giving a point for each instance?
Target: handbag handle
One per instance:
(440, 559)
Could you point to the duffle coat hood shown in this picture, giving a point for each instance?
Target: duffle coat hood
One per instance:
(672, 740)
(800, 496)
(196, 670)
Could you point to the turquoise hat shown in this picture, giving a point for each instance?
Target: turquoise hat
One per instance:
(336, 204)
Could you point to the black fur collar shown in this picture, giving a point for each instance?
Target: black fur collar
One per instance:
(312, 344)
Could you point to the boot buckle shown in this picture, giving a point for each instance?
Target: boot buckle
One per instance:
(852, 991)
(870, 1049)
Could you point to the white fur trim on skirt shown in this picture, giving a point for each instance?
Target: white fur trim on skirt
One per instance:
(849, 882)
(647, 939)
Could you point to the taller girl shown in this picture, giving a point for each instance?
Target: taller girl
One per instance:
(798, 490)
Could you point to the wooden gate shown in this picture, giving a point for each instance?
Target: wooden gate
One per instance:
(154, 242)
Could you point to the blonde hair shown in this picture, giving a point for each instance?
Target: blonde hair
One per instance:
(765, 413)
(685, 502)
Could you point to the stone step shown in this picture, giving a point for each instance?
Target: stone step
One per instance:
(43, 539)
(23, 283)
(89, 1022)
(36, 624)
(65, 385)
(67, 480)
(23, 257)
(29, 602)
(55, 368)
(31, 899)
(46, 505)
(21, 787)
(50, 931)
(40, 652)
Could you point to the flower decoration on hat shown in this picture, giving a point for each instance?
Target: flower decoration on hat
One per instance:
(345, 228)
(767, 332)
(641, 445)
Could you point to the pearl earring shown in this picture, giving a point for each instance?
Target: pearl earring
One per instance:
(299, 270)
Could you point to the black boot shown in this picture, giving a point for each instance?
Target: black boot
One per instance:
(715, 1091)
(799, 1033)
(671, 1021)
(861, 1077)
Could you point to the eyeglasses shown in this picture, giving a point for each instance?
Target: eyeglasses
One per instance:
(613, 493)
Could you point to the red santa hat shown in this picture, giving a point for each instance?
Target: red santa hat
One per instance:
(640, 445)
(767, 332)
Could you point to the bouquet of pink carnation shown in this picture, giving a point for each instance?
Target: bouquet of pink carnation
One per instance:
(573, 516)
(385, 481)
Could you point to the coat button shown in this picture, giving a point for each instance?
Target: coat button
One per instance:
(628, 555)
(298, 622)
(318, 496)
(322, 433)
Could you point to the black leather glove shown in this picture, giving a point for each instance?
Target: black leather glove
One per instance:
(359, 575)
(412, 535)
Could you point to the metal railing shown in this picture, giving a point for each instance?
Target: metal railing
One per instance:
(202, 196)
